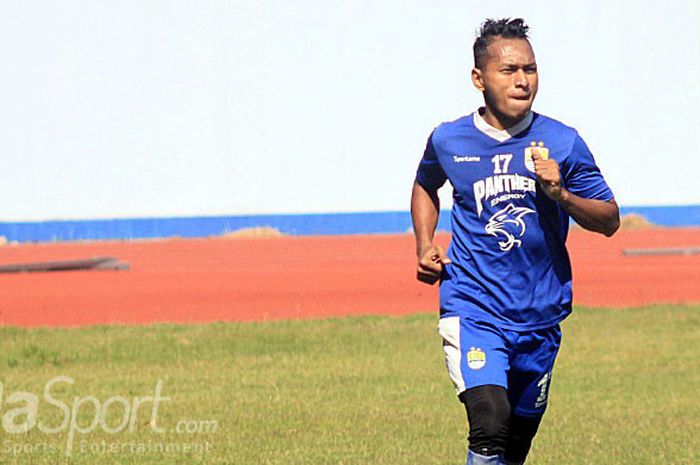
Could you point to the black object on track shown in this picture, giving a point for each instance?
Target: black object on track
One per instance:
(95, 263)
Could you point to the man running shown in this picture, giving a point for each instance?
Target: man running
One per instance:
(505, 282)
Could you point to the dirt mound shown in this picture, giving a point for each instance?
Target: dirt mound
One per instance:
(635, 221)
(247, 233)
(629, 221)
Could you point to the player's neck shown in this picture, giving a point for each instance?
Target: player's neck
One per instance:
(498, 121)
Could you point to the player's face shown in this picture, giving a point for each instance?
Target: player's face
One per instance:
(508, 80)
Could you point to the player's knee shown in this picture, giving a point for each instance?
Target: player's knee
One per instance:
(520, 434)
(488, 411)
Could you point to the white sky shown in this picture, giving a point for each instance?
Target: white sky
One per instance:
(159, 108)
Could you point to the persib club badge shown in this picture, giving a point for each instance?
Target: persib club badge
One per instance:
(476, 358)
(544, 152)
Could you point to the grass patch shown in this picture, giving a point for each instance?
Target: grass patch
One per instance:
(348, 391)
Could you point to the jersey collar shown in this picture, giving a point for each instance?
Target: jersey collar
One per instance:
(501, 135)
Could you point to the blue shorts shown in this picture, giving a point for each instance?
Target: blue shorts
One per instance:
(522, 362)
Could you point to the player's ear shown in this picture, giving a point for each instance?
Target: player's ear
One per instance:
(478, 79)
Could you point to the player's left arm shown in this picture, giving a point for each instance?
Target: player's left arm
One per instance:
(594, 215)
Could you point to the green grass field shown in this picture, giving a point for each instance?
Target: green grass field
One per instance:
(350, 391)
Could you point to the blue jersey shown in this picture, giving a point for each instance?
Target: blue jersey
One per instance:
(509, 265)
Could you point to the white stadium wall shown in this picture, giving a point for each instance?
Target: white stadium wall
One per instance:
(179, 108)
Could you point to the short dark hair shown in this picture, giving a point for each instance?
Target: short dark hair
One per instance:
(491, 28)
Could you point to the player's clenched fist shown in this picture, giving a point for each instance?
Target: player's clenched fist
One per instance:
(548, 175)
(430, 263)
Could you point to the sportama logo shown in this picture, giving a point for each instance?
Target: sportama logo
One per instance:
(507, 223)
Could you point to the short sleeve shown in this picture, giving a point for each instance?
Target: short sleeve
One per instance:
(430, 174)
(582, 176)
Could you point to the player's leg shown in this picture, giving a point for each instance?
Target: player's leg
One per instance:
(493, 431)
(477, 361)
(488, 413)
(521, 431)
(529, 381)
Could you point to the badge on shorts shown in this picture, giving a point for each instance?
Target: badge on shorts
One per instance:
(476, 358)
(544, 151)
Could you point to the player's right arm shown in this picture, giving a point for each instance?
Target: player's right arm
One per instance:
(425, 210)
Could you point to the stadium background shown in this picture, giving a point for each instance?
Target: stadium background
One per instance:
(182, 109)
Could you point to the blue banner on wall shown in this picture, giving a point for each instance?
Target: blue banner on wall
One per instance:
(297, 225)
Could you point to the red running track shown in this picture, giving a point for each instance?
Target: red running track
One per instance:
(217, 279)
